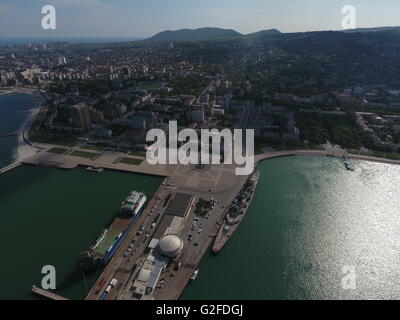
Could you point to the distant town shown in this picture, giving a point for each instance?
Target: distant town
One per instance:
(297, 91)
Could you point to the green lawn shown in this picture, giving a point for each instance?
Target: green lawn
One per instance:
(338, 129)
(58, 150)
(132, 161)
(193, 85)
(83, 154)
(94, 148)
(148, 86)
(138, 154)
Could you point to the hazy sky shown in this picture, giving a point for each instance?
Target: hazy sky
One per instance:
(143, 18)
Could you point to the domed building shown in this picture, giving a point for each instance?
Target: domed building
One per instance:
(170, 245)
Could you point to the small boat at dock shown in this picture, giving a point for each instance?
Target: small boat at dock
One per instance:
(194, 275)
(94, 169)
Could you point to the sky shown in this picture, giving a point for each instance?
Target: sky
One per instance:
(144, 18)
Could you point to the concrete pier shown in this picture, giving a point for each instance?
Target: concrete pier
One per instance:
(47, 294)
(10, 167)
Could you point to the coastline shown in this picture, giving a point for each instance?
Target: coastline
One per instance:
(24, 148)
(277, 154)
(5, 92)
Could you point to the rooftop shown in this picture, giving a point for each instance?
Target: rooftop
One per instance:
(170, 245)
(180, 205)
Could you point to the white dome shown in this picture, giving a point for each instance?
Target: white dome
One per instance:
(170, 245)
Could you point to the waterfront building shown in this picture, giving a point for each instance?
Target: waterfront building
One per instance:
(170, 245)
(96, 116)
(81, 116)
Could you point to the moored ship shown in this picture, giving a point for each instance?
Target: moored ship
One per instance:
(133, 203)
(236, 212)
(110, 239)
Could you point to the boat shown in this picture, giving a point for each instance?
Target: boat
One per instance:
(111, 238)
(348, 167)
(94, 169)
(194, 275)
(236, 212)
(133, 203)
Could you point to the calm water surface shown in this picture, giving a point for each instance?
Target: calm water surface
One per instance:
(49, 216)
(310, 220)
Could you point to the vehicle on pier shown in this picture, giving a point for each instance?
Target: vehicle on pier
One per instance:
(194, 275)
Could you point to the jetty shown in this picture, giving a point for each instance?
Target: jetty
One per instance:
(10, 134)
(10, 167)
(47, 294)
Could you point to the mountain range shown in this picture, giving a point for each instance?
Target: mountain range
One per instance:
(206, 34)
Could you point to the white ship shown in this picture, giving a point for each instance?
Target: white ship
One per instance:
(133, 203)
(194, 275)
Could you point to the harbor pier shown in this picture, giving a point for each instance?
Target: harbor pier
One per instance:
(47, 294)
(10, 167)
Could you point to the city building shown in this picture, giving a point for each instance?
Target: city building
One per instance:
(198, 115)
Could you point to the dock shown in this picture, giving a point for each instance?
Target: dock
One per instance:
(47, 294)
(10, 134)
(10, 167)
(236, 212)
